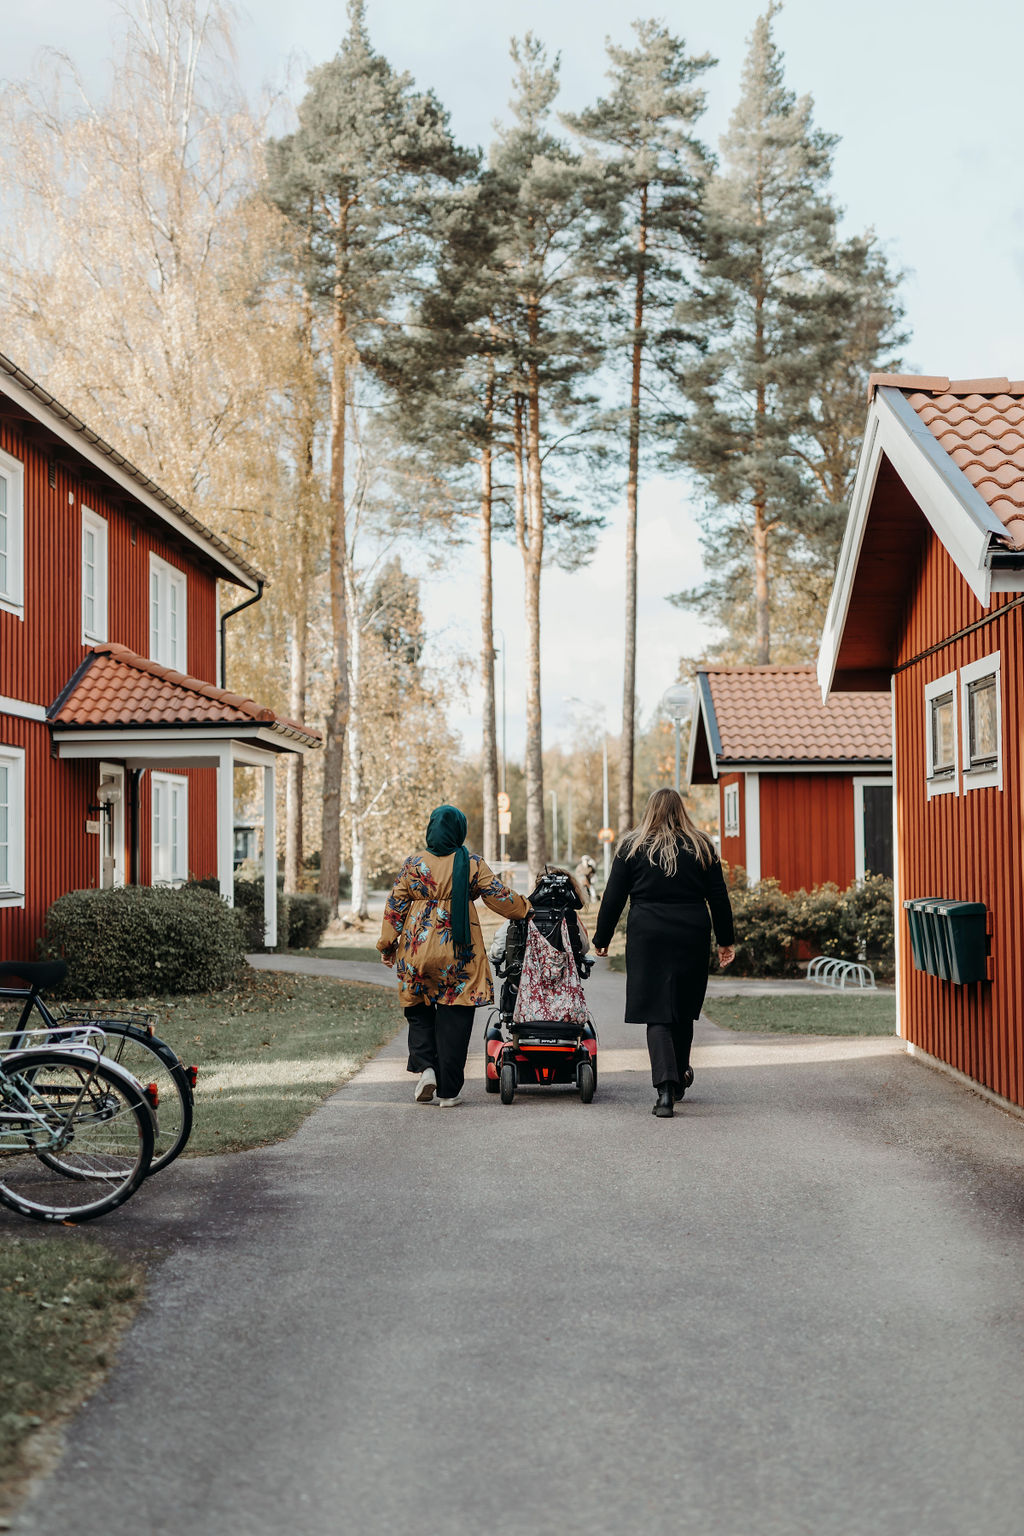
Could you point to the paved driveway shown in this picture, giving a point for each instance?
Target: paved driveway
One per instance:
(798, 1307)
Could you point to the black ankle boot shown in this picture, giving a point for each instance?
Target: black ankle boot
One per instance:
(663, 1108)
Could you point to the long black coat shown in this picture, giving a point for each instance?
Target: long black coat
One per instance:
(668, 932)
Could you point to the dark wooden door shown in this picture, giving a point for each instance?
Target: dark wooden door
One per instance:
(878, 829)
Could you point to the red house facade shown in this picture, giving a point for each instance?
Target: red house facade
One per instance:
(805, 788)
(928, 600)
(117, 748)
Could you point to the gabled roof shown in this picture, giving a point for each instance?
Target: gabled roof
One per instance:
(941, 454)
(32, 400)
(773, 718)
(115, 689)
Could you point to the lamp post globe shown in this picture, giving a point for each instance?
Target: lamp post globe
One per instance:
(677, 703)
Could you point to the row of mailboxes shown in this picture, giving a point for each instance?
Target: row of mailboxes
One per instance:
(948, 938)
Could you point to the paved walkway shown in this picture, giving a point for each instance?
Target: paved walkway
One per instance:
(797, 1309)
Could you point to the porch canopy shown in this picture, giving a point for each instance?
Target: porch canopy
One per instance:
(119, 706)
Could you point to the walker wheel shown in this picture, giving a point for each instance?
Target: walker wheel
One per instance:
(587, 1082)
(490, 1083)
(507, 1083)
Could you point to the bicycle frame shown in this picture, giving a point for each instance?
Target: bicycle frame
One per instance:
(14, 1138)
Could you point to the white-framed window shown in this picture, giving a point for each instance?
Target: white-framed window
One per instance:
(12, 827)
(170, 828)
(981, 724)
(942, 736)
(12, 534)
(94, 576)
(167, 594)
(731, 810)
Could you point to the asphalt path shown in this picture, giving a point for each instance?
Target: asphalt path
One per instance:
(797, 1307)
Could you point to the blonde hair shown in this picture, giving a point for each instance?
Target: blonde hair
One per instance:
(664, 824)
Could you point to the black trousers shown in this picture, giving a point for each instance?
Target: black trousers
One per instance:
(439, 1038)
(668, 1046)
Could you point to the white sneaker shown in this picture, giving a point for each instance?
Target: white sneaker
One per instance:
(426, 1087)
(448, 1103)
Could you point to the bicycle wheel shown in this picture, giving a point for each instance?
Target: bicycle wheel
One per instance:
(152, 1060)
(90, 1115)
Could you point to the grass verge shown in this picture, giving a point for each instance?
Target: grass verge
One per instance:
(271, 1049)
(65, 1302)
(339, 952)
(873, 1013)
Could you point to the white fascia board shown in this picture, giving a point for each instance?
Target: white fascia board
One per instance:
(112, 471)
(21, 710)
(156, 744)
(956, 511)
(699, 719)
(860, 765)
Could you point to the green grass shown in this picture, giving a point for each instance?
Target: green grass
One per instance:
(872, 1013)
(270, 1050)
(64, 1301)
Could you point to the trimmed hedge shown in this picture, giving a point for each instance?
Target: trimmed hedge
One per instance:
(774, 930)
(302, 916)
(137, 941)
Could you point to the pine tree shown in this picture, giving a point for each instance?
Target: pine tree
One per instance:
(646, 127)
(358, 177)
(768, 303)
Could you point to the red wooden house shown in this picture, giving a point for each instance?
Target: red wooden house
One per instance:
(117, 748)
(929, 598)
(805, 788)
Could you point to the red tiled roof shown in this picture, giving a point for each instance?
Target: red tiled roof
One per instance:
(980, 424)
(115, 687)
(775, 714)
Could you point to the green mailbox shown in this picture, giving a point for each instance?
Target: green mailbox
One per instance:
(962, 927)
(915, 921)
(939, 936)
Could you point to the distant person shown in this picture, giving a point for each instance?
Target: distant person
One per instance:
(585, 870)
(431, 935)
(671, 875)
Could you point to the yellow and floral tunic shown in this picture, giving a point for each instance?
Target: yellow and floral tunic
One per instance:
(417, 929)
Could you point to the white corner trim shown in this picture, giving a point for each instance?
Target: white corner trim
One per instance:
(20, 710)
(897, 881)
(752, 811)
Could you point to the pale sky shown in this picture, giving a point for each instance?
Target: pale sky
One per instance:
(926, 104)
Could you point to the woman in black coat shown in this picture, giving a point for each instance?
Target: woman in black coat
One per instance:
(671, 875)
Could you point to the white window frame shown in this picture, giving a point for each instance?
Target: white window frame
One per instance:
(988, 776)
(97, 526)
(946, 784)
(12, 892)
(731, 810)
(12, 594)
(169, 864)
(164, 579)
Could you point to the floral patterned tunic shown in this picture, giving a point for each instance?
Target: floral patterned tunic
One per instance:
(417, 929)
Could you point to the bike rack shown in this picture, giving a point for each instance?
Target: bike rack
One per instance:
(840, 974)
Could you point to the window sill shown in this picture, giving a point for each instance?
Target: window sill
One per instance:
(8, 605)
(983, 778)
(935, 785)
(12, 899)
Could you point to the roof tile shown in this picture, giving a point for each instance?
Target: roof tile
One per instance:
(120, 688)
(775, 714)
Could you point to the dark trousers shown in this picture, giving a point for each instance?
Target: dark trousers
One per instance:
(668, 1046)
(439, 1038)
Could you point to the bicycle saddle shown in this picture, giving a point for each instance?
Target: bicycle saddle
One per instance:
(38, 973)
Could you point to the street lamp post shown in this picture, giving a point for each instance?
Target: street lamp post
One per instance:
(677, 703)
(604, 778)
(502, 767)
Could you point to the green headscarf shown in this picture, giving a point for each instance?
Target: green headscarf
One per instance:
(446, 833)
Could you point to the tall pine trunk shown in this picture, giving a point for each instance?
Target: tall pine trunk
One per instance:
(299, 640)
(626, 795)
(536, 840)
(337, 714)
(489, 745)
(356, 783)
(293, 783)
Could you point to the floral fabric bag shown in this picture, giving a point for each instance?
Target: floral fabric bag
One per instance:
(550, 989)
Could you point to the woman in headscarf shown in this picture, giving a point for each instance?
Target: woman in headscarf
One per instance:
(431, 934)
(668, 870)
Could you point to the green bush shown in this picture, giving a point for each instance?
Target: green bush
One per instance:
(141, 940)
(308, 916)
(776, 930)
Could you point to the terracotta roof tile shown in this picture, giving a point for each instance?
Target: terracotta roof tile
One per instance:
(980, 424)
(116, 687)
(775, 714)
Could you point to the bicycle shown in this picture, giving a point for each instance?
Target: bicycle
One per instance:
(76, 1132)
(130, 1042)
